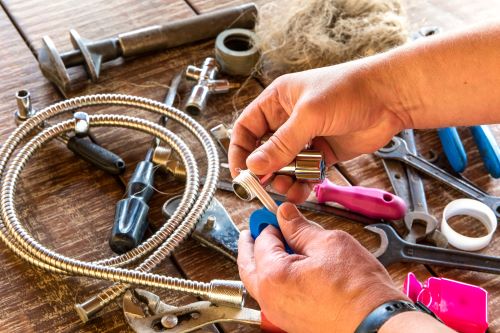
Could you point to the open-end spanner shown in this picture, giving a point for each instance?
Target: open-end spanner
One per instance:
(408, 185)
(398, 150)
(394, 249)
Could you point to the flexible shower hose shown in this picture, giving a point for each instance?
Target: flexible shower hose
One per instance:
(157, 247)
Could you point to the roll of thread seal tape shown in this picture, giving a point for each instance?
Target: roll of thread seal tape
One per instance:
(474, 209)
(235, 51)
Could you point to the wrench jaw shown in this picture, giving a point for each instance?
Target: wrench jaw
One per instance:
(393, 149)
(385, 254)
(423, 218)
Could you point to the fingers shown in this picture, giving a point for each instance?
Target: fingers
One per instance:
(246, 262)
(265, 114)
(269, 249)
(282, 147)
(300, 234)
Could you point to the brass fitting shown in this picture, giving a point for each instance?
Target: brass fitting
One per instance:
(309, 165)
(167, 161)
(206, 84)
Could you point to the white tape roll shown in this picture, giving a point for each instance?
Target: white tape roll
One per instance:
(474, 209)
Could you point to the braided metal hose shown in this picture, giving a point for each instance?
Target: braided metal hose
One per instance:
(159, 246)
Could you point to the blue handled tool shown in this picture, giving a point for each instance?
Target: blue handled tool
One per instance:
(260, 219)
(485, 141)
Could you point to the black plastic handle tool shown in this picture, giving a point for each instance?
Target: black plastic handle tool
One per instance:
(131, 215)
(96, 155)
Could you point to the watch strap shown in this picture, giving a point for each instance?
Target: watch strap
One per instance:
(375, 319)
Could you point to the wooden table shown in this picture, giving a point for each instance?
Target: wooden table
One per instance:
(67, 204)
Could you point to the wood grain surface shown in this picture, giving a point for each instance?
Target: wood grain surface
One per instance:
(61, 197)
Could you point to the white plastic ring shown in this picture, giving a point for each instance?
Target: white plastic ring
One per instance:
(475, 209)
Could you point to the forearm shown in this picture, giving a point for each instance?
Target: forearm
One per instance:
(414, 322)
(452, 79)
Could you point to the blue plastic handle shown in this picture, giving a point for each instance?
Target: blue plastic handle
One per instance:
(488, 148)
(453, 148)
(260, 219)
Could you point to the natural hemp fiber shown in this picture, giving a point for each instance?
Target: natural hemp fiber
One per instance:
(295, 35)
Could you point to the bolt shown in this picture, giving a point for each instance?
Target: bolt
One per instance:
(169, 321)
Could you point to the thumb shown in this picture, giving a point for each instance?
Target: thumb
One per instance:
(281, 148)
(300, 233)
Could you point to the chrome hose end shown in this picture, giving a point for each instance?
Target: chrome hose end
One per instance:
(227, 292)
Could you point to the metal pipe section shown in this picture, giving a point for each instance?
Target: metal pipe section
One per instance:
(24, 106)
(163, 242)
(247, 186)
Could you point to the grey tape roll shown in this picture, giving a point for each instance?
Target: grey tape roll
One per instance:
(235, 51)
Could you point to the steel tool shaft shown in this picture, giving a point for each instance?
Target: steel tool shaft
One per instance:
(398, 150)
(153, 38)
(394, 249)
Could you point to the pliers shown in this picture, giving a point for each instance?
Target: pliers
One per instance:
(146, 313)
(485, 141)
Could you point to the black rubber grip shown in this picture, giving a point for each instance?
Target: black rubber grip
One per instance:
(131, 215)
(96, 155)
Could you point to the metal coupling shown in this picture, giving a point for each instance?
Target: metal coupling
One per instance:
(206, 85)
(247, 186)
(24, 107)
(166, 160)
(309, 165)
(227, 292)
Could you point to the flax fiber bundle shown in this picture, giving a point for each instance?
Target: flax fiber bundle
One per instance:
(295, 35)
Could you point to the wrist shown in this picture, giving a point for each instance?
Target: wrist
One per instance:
(392, 84)
(414, 321)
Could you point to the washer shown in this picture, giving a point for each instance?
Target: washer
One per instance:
(236, 52)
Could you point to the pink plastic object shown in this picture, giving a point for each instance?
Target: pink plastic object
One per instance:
(461, 306)
(371, 202)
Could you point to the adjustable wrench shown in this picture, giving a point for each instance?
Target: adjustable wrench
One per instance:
(394, 249)
(398, 150)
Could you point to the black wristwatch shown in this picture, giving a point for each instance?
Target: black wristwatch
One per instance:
(375, 319)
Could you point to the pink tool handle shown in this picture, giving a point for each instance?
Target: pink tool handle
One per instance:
(371, 202)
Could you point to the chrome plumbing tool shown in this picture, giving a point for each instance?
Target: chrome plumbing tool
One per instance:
(92, 54)
(408, 185)
(394, 249)
(206, 84)
(146, 313)
(80, 143)
(398, 150)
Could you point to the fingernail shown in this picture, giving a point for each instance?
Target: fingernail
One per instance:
(258, 158)
(289, 211)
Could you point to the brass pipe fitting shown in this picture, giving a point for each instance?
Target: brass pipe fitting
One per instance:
(167, 161)
(309, 166)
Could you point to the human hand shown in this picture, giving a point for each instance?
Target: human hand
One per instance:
(343, 110)
(330, 284)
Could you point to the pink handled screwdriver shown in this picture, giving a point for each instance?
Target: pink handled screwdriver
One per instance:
(371, 202)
